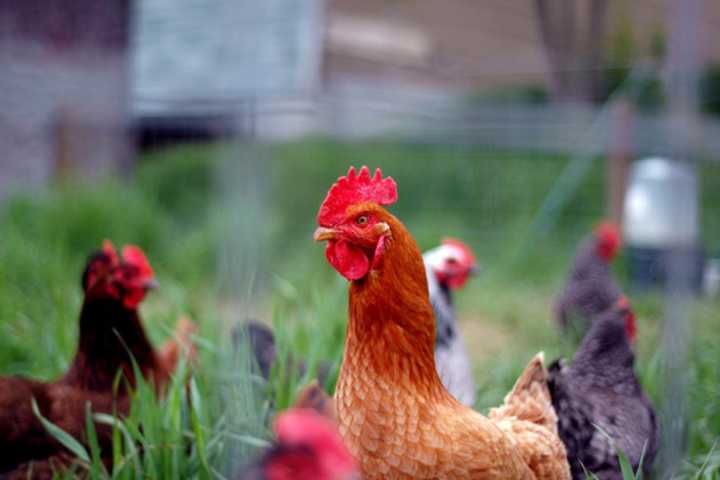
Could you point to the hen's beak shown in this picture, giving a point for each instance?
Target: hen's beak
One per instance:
(474, 269)
(150, 284)
(323, 233)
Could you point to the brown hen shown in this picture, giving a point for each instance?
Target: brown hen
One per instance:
(393, 411)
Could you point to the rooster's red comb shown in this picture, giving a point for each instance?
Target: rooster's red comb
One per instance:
(355, 188)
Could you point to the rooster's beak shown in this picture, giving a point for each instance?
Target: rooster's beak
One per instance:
(151, 284)
(323, 233)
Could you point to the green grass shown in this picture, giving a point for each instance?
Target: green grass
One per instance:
(228, 230)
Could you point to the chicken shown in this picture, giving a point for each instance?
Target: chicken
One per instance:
(590, 287)
(110, 333)
(261, 340)
(448, 267)
(394, 413)
(600, 389)
(307, 447)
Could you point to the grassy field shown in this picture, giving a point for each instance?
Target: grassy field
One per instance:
(227, 229)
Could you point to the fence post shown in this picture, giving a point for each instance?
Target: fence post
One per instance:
(619, 156)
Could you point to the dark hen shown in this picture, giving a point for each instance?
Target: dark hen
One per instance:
(600, 388)
(111, 332)
(590, 288)
(261, 341)
(111, 337)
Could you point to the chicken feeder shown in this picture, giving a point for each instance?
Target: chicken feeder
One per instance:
(661, 223)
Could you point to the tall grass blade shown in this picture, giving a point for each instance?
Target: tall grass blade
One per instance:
(97, 470)
(65, 439)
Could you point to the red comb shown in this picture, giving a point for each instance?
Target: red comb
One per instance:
(623, 302)
(109, 250)
(469, 255)
(630, 324)
(607, 226)
(609, 240)
(133, 255)
(608, 231)
(352, 189)
(299, 426)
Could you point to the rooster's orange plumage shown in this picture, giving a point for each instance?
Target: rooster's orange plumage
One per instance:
(393, 411)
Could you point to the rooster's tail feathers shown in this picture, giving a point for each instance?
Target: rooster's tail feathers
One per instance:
(530, 399)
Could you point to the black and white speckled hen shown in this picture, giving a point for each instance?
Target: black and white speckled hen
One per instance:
(590, 288)
(600, 389)
(448, 267)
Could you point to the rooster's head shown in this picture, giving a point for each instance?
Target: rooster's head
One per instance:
(452, 263)
(354, 224)
(608, 240)
(126, 278)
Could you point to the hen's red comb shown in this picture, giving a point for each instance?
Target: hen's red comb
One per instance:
(467, 251)
(355, 188)
(109, 250)
(133, 255)
(630, 322)
(608, 232)
(623, 302)
(608, 240)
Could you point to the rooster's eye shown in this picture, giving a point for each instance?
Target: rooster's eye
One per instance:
(362, 220)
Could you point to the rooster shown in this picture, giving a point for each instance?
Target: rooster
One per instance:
(111, 337)
(393, 411)
(448, 267)
(307, 447)
(590, 288)
(598, 395)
